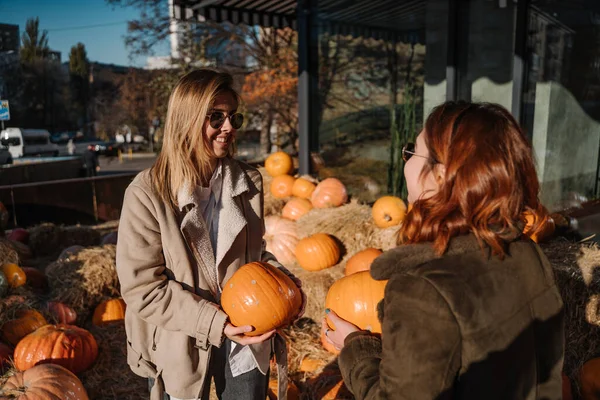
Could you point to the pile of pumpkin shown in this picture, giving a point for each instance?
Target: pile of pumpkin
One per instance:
(44, 346)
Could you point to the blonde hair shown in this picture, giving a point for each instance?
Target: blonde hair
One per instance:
(185, 156)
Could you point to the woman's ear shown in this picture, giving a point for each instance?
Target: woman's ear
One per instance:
(439, 173)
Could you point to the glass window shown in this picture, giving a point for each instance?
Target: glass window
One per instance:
(11, 141)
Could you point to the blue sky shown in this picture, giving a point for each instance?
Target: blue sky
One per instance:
(71, 21)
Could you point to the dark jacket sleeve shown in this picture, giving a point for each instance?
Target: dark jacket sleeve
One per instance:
(418, 355)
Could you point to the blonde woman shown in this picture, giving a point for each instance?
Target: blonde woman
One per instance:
(187, 224)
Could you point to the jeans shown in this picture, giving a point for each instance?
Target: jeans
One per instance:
(252, 385)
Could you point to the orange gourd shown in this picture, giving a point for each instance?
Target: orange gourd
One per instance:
(388, 211)
(27, 321)
(303, 188)
(67, 345)
(589, 379)
(329, 193)
(112, 310)
(361, 261)
(44, 382)
(281, 238)
(279, 163)
(14, 275)
(317, 252)
(281, 186)
(62, 312)
(260, 295)
(544, 231)
(355, 298)
(311, 364)
(296, 208)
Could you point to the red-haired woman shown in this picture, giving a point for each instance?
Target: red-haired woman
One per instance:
(471, 309)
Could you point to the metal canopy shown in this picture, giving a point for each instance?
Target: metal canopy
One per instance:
(380, 19)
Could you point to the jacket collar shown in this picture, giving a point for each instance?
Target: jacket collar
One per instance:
(406, 257)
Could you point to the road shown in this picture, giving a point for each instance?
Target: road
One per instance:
(138, 162)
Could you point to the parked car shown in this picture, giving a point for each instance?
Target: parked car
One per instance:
(5, 156)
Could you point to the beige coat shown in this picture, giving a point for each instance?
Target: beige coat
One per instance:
(168, 277)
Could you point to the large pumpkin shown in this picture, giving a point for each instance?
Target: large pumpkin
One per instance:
(589, 379)
(281, 186)
(388, 211)
(44, 382)
(111, 310)
(281, 238)
(317, 252)
(68, 345)
(545, 230)
(14, 274)
(355, 298)
(62, 312)
(260, 295)
(329, 193)
(303, 188)
(279, 163)
(296, 208)
(361, 261)
(27, 321)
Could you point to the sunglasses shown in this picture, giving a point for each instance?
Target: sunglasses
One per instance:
(216, 119)
(409, 150)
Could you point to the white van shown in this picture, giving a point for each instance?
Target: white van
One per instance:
(28, 142)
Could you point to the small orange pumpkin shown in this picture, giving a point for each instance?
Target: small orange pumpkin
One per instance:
(317, 252)
(544, 231)
(281, 238)
(62, 312)
(27, 321)
(14, 275)
(296, 208)
(279, 163)
(311, 364)
(44, 382)
(355, 298)
(281, 186)
(68, 345)
(388, 211)
(111, 310)
(362, 260)
(329, 193)
(589, 379)
(303, 188)
(261, 295)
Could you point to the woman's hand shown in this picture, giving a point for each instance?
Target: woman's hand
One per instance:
(342, 328)
(237, 334)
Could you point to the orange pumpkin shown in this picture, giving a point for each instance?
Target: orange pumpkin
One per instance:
(281, 238)
(589, 379)
(296, 208)
(281, 186)
(44, 382)
(62, 312)
(362, 260)
(112, 310)
(567, 393)
(292, 391)
(328, 346)
(311, 364)
(260, 295)
(279, 163)
(68, 345)
(35, 278)
(27, 321)
(14, 275)
(388, 211)
(544, 231)
(317, 252)
(355, 298)
(303, 188)
(329, 193)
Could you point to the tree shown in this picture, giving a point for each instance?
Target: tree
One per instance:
(79, 71)
(34, 46)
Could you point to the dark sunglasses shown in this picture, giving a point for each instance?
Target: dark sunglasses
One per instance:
(409, 150)
(216, 119)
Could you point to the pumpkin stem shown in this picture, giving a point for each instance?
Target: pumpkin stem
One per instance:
(387, 218)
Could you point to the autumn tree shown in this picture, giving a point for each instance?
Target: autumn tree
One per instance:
(79, 72)
(34, 44)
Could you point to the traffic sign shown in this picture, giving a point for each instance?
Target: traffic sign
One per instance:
(4, 110)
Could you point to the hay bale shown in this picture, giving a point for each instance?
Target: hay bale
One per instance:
(49, 239)
(577, 272)
(19, 299)
(8, 253)
(110, 377)
(272, 205)
(84, 279)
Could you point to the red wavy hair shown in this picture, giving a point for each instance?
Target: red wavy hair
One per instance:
(490, 178)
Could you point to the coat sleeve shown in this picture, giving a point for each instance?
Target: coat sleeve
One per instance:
(144, 285)
(418, 354)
